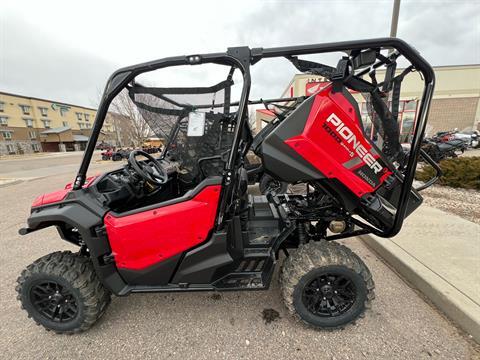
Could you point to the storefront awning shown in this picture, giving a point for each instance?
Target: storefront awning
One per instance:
(57, 130)
(80, 138)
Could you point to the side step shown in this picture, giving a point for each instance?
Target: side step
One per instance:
(252, 273)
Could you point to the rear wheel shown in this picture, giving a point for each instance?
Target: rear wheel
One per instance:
(326, 285)
(61, 292)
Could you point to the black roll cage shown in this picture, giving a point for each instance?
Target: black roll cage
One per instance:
(242, 58)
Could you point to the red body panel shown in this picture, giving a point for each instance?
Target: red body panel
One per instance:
(59, 195)
(50, 198)
(329, 142)
(88, 181)
(146, 238)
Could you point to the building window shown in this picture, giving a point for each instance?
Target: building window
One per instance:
(3, 120)
(88, 125)
(2, 106)
(79, 116)
(7, 135)
(410, 105)
(25, 109)
(63, 111)
(65, 123)
(28, 122)
(35, 147)
(87, 117)
(10, 149)
(46, 124)
(33, 134)
(43, 110)
(81, 125)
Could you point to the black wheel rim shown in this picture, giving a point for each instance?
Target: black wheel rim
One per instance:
(53, 301)
(329, 294)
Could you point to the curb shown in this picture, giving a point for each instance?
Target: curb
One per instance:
(8, 183)
(459, 308)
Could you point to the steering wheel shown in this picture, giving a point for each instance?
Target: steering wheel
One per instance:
(152, 171)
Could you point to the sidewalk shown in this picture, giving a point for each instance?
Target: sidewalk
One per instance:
(439, 254)
(39, 155)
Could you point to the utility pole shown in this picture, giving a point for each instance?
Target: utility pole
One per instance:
(394, 25)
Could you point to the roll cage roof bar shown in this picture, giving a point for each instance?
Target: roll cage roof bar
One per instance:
(242, 58)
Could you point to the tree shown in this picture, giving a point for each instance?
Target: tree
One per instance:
(126, 116)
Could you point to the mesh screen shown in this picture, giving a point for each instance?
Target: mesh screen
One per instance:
(168, 116)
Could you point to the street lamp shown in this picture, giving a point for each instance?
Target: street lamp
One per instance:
(394, 25)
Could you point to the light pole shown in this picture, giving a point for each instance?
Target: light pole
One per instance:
(396, 11)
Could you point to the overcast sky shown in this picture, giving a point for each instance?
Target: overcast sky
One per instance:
(65, 50)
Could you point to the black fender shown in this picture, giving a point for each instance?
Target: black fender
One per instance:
(89, 225)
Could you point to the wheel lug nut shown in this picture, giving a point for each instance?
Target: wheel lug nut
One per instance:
(324, 298)
(50, 297)
(335, 291)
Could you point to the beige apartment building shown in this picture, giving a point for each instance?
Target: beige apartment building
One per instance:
(455, 104)
(29, 124)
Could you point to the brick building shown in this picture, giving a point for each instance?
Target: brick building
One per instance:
(455, 104)
(30, 124)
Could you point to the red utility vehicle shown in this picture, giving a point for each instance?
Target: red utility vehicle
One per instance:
(185, 220)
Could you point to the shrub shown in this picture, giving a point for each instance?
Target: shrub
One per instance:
(463, 172)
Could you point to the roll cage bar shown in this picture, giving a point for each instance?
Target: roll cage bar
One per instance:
(242, 58)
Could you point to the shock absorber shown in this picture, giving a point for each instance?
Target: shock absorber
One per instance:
(302, 233)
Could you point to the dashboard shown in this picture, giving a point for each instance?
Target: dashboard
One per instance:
(124, 188)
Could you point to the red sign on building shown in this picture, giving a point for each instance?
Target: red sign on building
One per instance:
(313, 87)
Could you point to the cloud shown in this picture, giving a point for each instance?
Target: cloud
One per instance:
(34, 64)
(445, 32)
(66, 52)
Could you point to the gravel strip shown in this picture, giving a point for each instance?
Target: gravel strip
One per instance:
(462, 202)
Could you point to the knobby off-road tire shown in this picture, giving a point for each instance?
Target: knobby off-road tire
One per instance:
(69, 280)
(309, 266)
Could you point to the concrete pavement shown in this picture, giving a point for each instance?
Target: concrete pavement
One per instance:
(30, 167)
(400, 325)
(439, 254)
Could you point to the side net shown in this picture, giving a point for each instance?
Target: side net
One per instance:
(195, 125)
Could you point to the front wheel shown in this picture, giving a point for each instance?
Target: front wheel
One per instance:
(61, 292)
(326, 285)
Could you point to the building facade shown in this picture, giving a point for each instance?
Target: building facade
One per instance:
(29, 125)
(455, 104)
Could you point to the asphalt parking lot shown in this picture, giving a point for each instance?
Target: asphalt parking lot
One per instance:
(400, 325)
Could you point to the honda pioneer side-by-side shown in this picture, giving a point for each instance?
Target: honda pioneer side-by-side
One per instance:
(184, 220)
